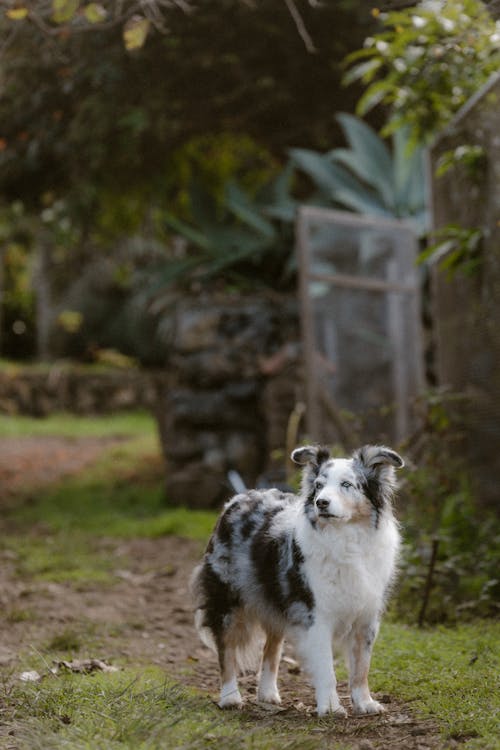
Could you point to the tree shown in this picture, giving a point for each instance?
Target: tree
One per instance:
(84, 119)
(116, 134)
(135, 19)
(426, 63)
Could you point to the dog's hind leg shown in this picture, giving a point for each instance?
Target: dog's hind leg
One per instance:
(230, 696)
(268, 687)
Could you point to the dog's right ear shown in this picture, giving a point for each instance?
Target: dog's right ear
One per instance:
(310, 454)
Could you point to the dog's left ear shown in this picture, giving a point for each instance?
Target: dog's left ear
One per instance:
(375, 466)
(371, 456)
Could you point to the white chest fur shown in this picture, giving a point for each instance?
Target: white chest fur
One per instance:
(349, 568)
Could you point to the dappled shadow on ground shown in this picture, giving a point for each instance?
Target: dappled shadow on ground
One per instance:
(143, 616)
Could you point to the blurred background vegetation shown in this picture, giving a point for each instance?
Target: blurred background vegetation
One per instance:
(102, 146)
(159, 147)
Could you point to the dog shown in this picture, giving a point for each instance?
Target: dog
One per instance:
(315, 568)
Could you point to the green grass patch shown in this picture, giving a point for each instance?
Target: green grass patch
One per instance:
(122, 495)
(449, 674)
(67, 641)
(452, 674)
(19, 614)
(60, 558)
(13, 367)
(140, 711)
(63, 424)
(55, 534)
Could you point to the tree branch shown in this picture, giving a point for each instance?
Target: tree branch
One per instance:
(300, 25)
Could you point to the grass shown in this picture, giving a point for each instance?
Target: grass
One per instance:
(122, 495)
(71, 426)
(449, 674)
(58, 537)
(139, 711)
(452, 674)
(110, 362)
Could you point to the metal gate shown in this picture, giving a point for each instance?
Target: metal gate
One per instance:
(360, 310)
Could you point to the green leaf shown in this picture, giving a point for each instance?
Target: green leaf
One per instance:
(276, 194)
(95, 13)
(362, 202)
(16, 14)
(351, 160)
(403, 159)
(191, 234)
(238, 203)
(64, 10)
(359, 54)
(204, 209)
(364, 71)
(135, 32)
(439, 247)
(282, 212)
(408, 173)
(327, 176)
(170, 272)
(338, 184)
(276, 199)
(373, 95)
(371, 159)
(247, 247)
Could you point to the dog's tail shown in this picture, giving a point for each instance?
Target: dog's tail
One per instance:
(197, 594)
(245, 634)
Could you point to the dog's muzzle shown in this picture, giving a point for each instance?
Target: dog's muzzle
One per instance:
(326, 510)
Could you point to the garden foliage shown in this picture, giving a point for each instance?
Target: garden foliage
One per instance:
(439, 509)
(426, 63)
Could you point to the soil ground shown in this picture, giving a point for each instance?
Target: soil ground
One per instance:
(145, 616)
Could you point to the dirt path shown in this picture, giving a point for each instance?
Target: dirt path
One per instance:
(27, 462)
(145, 617)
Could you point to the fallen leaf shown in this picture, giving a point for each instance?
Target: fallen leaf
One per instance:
(84, 666)
(293, 666)
(270, 708)
(31, 676)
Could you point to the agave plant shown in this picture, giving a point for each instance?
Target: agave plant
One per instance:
(367, 177)
(231, 238)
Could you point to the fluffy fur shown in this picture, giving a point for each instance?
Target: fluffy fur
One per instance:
(315, 568)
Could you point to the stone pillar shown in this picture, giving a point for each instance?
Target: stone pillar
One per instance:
(213, 415)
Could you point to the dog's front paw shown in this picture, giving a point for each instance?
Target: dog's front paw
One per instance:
(334, 708)
(269, 696)
(231, 700)
(368, 707)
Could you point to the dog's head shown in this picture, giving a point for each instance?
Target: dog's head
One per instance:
(337, 490)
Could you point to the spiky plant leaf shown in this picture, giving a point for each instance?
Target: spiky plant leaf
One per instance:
(197, 238)
(369, 157)
(240, 205)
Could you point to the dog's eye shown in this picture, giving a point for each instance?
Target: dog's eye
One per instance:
(346, 485)
(318, 484)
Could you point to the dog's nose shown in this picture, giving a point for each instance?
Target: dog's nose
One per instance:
(322, 504)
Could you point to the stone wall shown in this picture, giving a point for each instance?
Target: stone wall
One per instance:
(222, 401)
(59, 388)
(232, 382)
